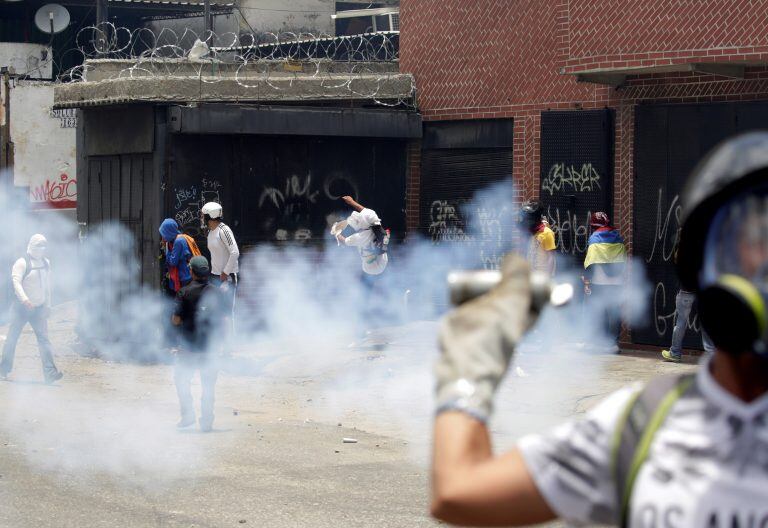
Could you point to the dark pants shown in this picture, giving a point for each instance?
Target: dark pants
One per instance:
(606, 301)
(186, 365)
(38, 320)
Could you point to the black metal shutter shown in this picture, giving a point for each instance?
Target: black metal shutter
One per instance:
(576, 174)
(669, 141)
(459, 159)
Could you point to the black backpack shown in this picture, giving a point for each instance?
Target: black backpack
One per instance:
(381, 238)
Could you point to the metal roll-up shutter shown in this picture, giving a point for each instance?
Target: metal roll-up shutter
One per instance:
(576, 175)
(669, 141)
(459, 159)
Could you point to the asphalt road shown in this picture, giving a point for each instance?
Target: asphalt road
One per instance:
(100, 448)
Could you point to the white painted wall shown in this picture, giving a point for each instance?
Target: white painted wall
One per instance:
(296, 16)
(44, 146)
(33, 60)
(260, 16)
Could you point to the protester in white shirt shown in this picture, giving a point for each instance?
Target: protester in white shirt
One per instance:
(225, 255)
(369, 238)
(32, 288)
(683, 451)
(222, 245)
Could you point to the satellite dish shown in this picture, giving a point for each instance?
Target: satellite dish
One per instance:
(52, 18)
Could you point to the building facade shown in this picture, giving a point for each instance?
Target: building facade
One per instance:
(610, 105)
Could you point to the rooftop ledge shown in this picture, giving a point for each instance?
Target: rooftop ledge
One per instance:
(617, 76)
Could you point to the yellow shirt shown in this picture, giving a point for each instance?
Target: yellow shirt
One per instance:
(541, 243)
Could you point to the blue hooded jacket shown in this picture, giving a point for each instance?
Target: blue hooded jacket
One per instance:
(180, 255)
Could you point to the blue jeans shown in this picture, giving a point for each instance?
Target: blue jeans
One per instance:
(38, 319)
(683, 304)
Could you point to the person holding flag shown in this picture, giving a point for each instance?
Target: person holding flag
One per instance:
(604, 268)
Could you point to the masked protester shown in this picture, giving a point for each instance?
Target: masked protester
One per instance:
(31, 277)
(177, 255)
(685, 451)
(541, 250)
(604, 268)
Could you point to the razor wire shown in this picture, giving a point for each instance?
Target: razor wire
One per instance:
(365, 66)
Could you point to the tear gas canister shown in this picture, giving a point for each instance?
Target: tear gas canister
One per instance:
(466, 285)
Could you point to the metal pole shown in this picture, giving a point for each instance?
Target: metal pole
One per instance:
(102, 12)
(207, 15)
(6, 156)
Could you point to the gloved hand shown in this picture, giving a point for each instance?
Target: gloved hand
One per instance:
(477, 341)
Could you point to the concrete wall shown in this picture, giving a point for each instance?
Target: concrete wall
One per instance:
(258, 16)
(44, 146)
(33, 60)
(222, 24)
(297, 16)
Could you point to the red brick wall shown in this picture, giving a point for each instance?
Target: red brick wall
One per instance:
(497, 58)
(413, 185)
(603, 34)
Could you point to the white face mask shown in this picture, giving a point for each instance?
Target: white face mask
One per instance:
(37, 252)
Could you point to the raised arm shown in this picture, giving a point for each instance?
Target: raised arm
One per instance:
(352, 203)
(472, 487)
(477, 340)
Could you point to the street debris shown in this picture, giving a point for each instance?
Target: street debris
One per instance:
(349, 440)
(235, 412)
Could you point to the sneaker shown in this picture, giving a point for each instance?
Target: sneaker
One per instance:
(51, 378)
(669, 356)
(206, 427)
(186, 422)
(4, 376)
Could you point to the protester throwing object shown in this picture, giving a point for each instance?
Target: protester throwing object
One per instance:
(200, 313)
(31, 278)
(369, 237)
(685, 450)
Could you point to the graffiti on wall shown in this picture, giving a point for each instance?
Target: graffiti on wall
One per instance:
(662, 252)
(58, 193)
(296, 201)
(189, 200)
(484, 231)
(569, 178)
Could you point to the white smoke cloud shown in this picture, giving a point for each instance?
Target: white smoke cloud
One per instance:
(302, 312)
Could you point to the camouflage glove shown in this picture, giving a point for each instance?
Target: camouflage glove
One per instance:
(477, 341)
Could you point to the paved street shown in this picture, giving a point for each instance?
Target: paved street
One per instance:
(101, 449)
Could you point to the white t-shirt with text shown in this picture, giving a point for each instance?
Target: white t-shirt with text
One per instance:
(707, 465)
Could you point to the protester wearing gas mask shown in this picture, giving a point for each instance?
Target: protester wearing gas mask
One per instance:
(681, 451)
(31, 278)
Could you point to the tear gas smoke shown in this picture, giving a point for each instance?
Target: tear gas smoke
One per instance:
(299, 310)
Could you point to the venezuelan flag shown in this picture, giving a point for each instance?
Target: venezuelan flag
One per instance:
(605, 247)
